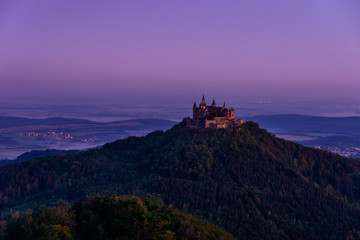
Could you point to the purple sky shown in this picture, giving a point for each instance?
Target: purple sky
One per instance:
(251, 49)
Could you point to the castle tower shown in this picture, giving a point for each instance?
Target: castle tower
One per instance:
(213, 104)
(227, 114)
(203, 103)
(195, 111)
(232, 113)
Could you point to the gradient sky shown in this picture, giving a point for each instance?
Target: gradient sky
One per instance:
(89, 50)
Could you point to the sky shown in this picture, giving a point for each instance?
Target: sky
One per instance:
(163, 51)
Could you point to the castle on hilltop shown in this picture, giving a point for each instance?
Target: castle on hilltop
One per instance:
(212, 116)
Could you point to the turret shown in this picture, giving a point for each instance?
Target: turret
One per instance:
(195, 111)
(203, 103)
(232, 113)
(213, 103)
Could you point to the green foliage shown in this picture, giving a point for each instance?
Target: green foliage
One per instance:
(54, 232)
(245, 180)
(112, 217)
(51, 223)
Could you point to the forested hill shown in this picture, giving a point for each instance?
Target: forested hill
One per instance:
(112, 217)
(245, 180)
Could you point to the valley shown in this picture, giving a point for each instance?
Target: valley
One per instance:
(340, 135)
(19, 135)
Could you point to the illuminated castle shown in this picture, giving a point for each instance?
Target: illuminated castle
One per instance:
(212, 116)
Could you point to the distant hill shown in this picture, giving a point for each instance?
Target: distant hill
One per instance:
(112, 217)
(6, 121)
(38, 153)
(308, 124)
(246, 180)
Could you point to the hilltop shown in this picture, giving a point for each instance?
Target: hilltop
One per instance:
(244, 179)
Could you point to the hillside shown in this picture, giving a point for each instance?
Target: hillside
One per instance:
(112, 217)
(245, 180)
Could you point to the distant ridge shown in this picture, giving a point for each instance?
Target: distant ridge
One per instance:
(36, 154)
(6, 121)
(306, 123)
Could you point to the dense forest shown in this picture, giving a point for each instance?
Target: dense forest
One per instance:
(244, 179)
(109, 218)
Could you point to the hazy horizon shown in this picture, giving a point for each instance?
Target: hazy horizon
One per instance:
(176, 110)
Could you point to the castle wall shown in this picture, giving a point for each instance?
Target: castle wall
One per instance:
(220, 122)
(210, 124)
(239, 121)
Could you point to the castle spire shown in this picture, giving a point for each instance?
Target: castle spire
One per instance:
(194, 104)
(213, 103)
(203, 103)
(224, 105)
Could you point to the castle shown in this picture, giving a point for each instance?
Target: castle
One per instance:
(212, 116)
